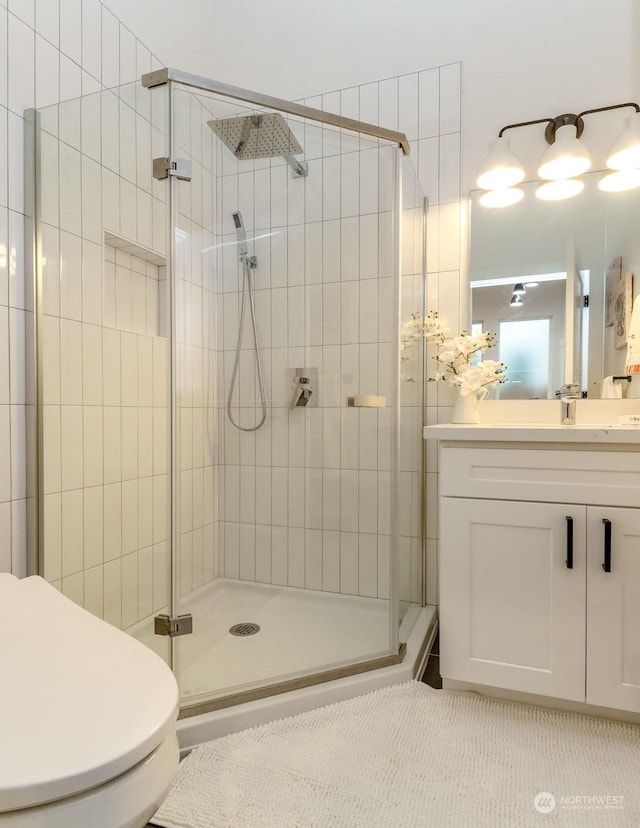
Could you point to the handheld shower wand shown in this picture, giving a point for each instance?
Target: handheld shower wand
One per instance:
(242, 241)
(240, 233)
(249, 263)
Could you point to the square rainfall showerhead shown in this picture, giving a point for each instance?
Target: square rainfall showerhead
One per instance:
(257, 136)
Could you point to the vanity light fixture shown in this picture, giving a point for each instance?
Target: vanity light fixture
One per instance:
(501, 169)
(519, 289)
(516, 301)
(564, 160)
(566, 156)
(625, 150)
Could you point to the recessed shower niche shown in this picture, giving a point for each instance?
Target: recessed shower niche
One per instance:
(153, 237)
(134, 293)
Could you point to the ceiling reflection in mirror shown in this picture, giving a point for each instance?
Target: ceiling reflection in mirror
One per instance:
(559, 251)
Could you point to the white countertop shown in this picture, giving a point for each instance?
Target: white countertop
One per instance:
(535, 433)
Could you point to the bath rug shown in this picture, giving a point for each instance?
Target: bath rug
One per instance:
(410, 756)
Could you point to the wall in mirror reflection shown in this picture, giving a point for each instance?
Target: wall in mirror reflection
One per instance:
(531, 335)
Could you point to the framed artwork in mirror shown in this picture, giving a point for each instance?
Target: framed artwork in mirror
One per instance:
(622, 311)
(612, 285)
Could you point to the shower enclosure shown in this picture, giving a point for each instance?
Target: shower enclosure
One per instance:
(229, 422)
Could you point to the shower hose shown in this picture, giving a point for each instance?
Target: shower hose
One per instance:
(247, 293)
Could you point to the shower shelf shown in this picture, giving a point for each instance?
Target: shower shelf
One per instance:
(134, 249)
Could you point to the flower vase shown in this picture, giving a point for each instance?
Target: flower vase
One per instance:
(465, 407)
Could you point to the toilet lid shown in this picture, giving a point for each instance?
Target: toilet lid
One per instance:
(80, 701)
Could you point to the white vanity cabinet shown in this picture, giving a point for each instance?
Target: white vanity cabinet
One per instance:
(526, 534)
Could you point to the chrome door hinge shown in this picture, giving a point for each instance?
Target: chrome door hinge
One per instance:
(164, 167)
(181, 625)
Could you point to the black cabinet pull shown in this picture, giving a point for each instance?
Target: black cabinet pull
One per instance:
(569, 560)
(607, 545)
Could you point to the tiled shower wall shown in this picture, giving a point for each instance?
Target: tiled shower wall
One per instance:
(104, 352)
(426, 107)
(302, 501)
(50, 50)
(305, 499)
(58, 50)
(197, 309)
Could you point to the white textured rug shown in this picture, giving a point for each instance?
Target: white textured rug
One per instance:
(409, 755)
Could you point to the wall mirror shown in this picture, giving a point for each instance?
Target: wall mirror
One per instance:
(550, 254)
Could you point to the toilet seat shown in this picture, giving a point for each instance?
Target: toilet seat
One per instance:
(128, 801)
(81, 702)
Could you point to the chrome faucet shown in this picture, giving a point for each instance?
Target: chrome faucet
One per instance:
(301, 393)
(568, 393)
(304, 388)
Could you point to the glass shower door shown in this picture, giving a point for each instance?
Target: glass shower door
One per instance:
(102, 355)
(282, 532)
(161, 491)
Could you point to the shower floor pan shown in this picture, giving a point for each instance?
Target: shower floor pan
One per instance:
(301, 631)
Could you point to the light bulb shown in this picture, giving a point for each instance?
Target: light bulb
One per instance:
(566, 157)
(625, 150)
(500, 169)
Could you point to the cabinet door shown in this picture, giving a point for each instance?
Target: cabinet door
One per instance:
(613, 609)
(512, 612)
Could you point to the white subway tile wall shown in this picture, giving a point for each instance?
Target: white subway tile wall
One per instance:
(197, 310)
(426, 107)
(289, 511)
(300, 501)
(304, 501)
(51, 51)
(105, 354)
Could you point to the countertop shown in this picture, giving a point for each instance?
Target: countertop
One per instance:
(535, 433)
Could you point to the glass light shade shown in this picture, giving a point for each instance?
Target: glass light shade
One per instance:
(502, 198)
(516, 301)
(501, 169)
(566, 157)
(618, 182)
(625, 150)
(519, 289)
(558, 190)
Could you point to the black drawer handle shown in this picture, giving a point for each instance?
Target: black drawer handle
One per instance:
(607, 545)
(569, 560)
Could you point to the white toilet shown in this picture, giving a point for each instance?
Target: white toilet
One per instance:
(87, 716)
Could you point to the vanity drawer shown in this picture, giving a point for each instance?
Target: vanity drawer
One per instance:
(597, 477)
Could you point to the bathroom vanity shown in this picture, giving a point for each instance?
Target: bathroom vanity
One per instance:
(539, 561)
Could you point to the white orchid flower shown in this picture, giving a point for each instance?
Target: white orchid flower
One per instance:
(455, 354)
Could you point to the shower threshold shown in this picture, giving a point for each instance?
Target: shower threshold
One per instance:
(287, 686)
(312, 649)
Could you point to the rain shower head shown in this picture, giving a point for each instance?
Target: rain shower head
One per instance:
(260, 136)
